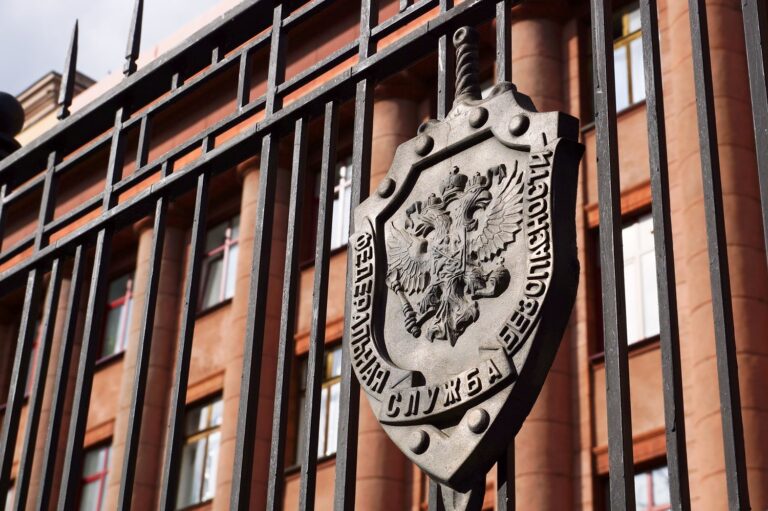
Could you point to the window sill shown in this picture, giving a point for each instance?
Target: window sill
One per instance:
(213, 308)
(635, 349)
(109, 359)
(322, 461)
(590, 126)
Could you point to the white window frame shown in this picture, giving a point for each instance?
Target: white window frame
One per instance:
(640, 287)
(229, 263)
(630, 39)
(328, 421)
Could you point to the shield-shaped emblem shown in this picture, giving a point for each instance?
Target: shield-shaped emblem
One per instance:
(464, 275)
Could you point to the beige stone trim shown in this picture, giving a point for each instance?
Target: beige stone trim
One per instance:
(206, 387)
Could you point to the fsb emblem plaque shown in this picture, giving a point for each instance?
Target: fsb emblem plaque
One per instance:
(464, 275)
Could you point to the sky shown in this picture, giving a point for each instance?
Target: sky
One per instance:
(35, 34)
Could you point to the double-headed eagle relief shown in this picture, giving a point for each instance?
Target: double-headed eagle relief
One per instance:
(463, 276)
(449, 252)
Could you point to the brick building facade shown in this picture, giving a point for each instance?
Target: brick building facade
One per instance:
(561, 452)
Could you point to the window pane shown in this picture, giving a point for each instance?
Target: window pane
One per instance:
(650, 295)
(117, 287)
(641, 491)
(620, 75)
(216, 236)
(93, 462)
(335, 363)
(323, 422)
(217, 412)
(196, 420)
(660, 486)
(89, 496)
(633, 301)
(111, 331)
(211, 465)
(638, 78)
(333, 418)
(633, 21)
(192, 461)
(212, 284)
(235, 224)
(336, 225)
(229, 286)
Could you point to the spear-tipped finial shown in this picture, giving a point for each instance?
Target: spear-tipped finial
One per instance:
(467, 64)
(134, 39)
(68, 80)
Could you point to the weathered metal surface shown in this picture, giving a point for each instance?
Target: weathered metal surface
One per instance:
(464, 275)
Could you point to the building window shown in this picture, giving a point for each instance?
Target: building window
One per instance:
(93, 485)
(652, 490)
(329, 405)
(640, 279)
(201, 454)
(118, 315)
(342, 200)
(220, 263)
(628, 58)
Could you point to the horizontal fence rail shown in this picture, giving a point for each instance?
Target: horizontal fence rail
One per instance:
(76, 245)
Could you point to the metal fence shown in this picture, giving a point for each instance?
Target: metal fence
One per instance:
(227, 44)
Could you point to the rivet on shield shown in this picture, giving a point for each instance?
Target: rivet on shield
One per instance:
(478, 116)
(424, 145)
(386, 187)
(478, 420)
(519, 125)
(419, 441)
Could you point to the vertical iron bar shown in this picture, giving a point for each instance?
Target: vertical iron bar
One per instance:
(46, 202)
(70, 487)
(134, 39)
(67, 87)
(258, 290)
(620, 458)
(142, 359)
(27, 334)
(503, 42)
(175, 435)
(446, 69)
(142, 147)
(756, 36)
(349, 387)
(319, 303)
(21, 361)
(725, 343)
(244, 80)
(58, 396)
(38, 388)
(505, 480)
(287, 319)
(674, 411)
